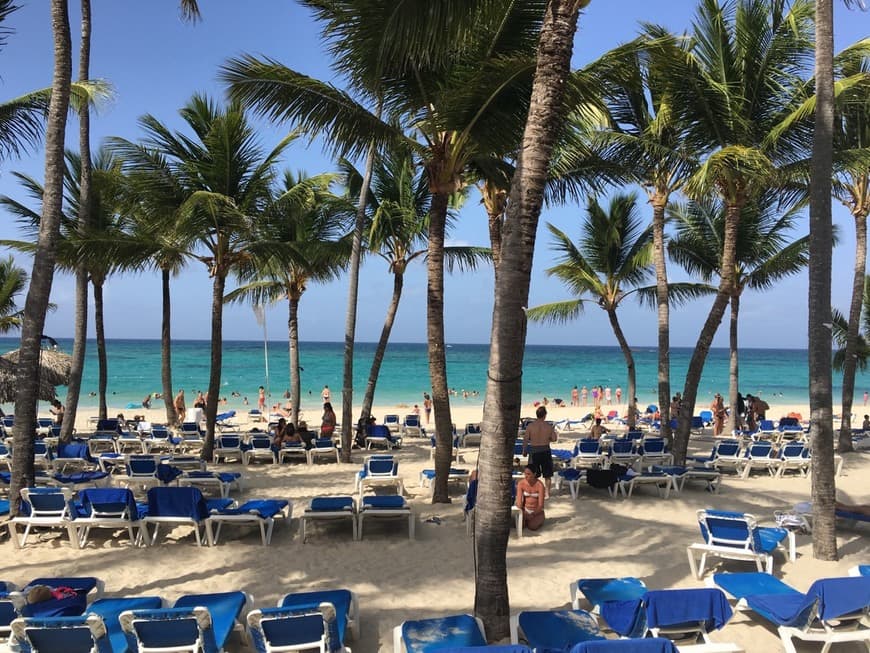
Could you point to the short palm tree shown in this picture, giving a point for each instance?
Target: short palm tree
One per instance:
(611, 262)
(225, 178)
(13, 279)
(310, 221)
(766, 254)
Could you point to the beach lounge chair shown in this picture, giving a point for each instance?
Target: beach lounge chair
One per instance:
(97, 631)
(159, 439)
(652, 452)
(471, 506)
(45, 507)
(260, 448)
(228, 446)
(588, 454)
(380, 471)
(322, 448)
(710, 477)
(329, 509)
(197, 622)
(660, 480)
(223, 482)
(554, 630)
(792, 456)
(833, 610)
(141, 471)
(379, 435)
(73, 456)
(727, 455)
(180, 505)
(290, 450)
(385, 507)
(472, 435)
(622, 452)
(455, 475)
(735, 536)
(438, 634)
(343, 600)
(766, 430)
(113, 508)
(411, 426)
(600, 592)
(260, 513)
(393, 423)
(74, 593)
(860, 570)
(758, 456)
(570, 477)
(191, 437)
(295, 629)
(130, 442)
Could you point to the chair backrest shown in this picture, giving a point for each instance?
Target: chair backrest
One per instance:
(382, 466)
(789, 422)
(187, 502)
(229, 442)
(60, 634)
(109, 502)
(378, 431)
(40, 449)
(190, 429)
(295, 628)
(323, 443)
(159, 433)
(588, 447)
(725, 528)
(111, 424)
(759, 450)
(839, 597)
(727, 448)
(698, 421)
(472, 427)
(48, 502)
(703, 609)
(766, 425)
(182, 629)
(8, 421)
(412, 420)
(622, 446)
(653, 446)
(260, 441)
(142, 465)
(391, 419)
(793, 450)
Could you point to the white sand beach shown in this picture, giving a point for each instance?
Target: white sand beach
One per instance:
(397, 579)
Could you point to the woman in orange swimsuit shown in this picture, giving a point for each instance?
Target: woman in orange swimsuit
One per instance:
(530, 499)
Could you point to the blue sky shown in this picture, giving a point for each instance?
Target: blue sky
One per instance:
(156, 62)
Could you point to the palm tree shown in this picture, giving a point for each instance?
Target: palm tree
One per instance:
(77, 249)
(501, 411)
(307, 218)
(13, 279)
(739, 80)
(765, 255)
(399, 207)
(225, 177)
(36, 303)
(841, 332)
(851, 185)
(647, 140)
(449, 114)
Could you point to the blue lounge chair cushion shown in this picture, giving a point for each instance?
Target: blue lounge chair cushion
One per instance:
(167, 473)
(340, 599)
(561, 454)
(288, 626)
(80, 477)
(618, 599)
(167, 628)
(558, 630)
(265, 508)
(385, 501)
(108, 499)
(864, 570)
(66, 607)
(674, 607)
(224, 608)
(4, 506)
(111, 608)
(649, 645)
(331, 504)
(430, 473)
(177, 502)
(60, 635)
(436, 634)
(570, 474)
(764, 539)
(74, 450)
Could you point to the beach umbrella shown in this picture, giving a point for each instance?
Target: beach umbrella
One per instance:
(54, 370)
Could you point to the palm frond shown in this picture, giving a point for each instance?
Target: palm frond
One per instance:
(556, 312)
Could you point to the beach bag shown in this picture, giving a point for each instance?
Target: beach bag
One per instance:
(601, 478)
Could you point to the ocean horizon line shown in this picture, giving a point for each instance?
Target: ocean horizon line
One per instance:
(634, 348)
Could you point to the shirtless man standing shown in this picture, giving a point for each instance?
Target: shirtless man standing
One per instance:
(538, 437)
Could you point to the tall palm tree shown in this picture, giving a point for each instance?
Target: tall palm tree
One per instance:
(765, 255)
(78, 249)
(399, 208)
(851, 185)
(13, 279)
(226, 178)
(501, 411)
(840, 332)
(740, 79)
(647, 141)
(449, 114)
(36, 303)
(311, 221)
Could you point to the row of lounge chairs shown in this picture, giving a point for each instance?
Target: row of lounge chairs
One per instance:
(116, 509)
(85, 622)
(731, 455)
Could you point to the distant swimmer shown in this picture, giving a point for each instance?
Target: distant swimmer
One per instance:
(146, 402)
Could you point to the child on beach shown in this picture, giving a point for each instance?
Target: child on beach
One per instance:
(261, 400)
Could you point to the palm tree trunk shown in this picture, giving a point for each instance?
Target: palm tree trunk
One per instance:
(501, 411)
(293, 340)
(166, 349)
(850, 362)
(36, 303)
(99, 326)
(733, 364)
(347, 429)
(214, 376)
(80, 336)
(824, 490)
(398, 282)
(659, 203)
(705, 338)
(437, 351)
(629, 365)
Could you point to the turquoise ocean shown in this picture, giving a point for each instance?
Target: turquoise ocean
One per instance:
(549, 371)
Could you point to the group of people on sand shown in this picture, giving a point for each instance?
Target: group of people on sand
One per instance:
(750, 411)
(601, 395)
(286, 432)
